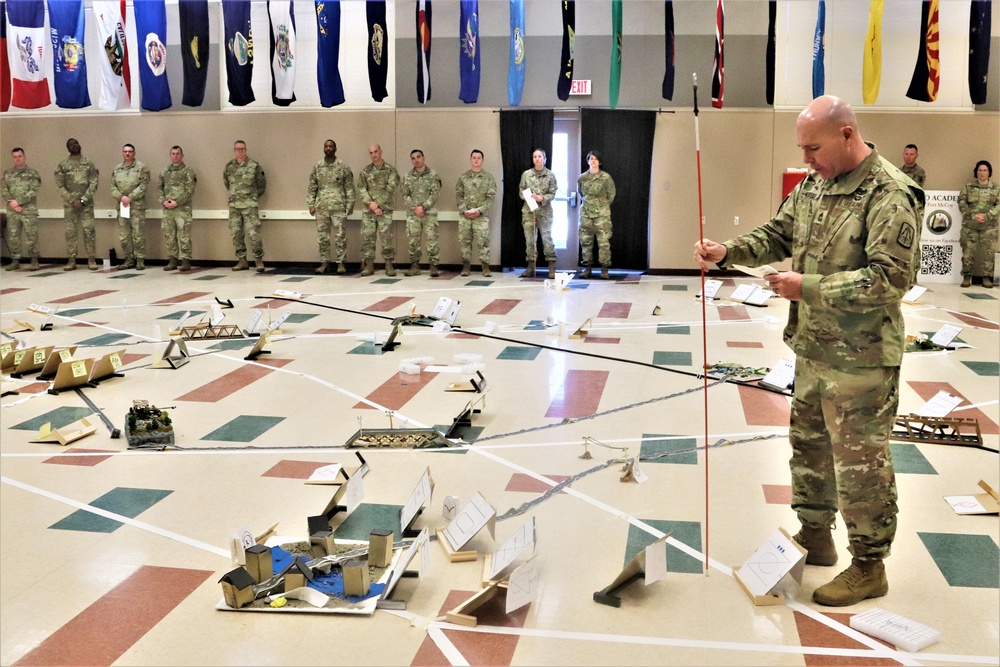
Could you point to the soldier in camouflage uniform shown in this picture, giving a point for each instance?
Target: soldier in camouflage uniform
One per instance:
(129, 181)
(542, 184)
(910, 166)
(597, 189)
(76, 181)
(852, 232)
(377, 185)
(245, 181)
(980, 207)
(421, 188)
(476, 190)
(176, 189)
(331, 200)
(20, 187)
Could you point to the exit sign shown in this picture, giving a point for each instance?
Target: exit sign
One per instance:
(580, 87)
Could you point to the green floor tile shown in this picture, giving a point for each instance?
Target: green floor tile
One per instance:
(76, 312)
(470, 434)
(234, 344)
(576, 285)
(208, 277)
(982, 296)
(371, 516)
(176, 315)
(58, 418)
(663, 358)
(124, 276)
(295, 279)
(984, 368)
(678, 330)
(519, 352)
(104, 339)
(479, 283)
(535, 325)
(244, 428)
(686, 532)
(657, 443)
(386, 281)
(44, 274)
(299, 318)
(971, 561)
(128, 502)
(675, 288)
(366, 348)
(908, 459)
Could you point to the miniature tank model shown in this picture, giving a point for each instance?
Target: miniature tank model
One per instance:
(148, 426)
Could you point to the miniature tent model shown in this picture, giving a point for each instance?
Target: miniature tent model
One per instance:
(237, 587)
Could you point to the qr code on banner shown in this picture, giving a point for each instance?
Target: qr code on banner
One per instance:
(935, 260)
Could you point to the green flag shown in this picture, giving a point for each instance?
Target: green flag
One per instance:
(616, 52)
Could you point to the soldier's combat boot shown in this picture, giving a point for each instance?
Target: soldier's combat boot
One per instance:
(260, 265)
(529, 271)
(819, 546)
(390, 270)
(185, 265)
(34, 264)
(124, 266)
(987, 282)
(321, 269)
(70, 264)
(966, 281)
(604, 273)
(171, 264)
(552, 269)
(13, 266)
(140, 264)
(241, 265)
(341, 269)
(864, 579)
(92, 263)
(486, 270)
(586, 272)
(367, 267)
(465, 267)
(414, 269)
(434, 271)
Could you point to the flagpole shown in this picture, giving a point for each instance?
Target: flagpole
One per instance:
(704, 324)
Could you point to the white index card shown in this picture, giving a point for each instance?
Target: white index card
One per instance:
(182, 319)
(469, 521)
(742, 292)
(523, 586)
(420, 495)
(965, 504)
(241, 540)
(354, 493)
(759, 297)
(441, 308)
(530, 200)
(255, 316)
(125, 210)
(769, 563)
(915, 293)
(41, 310)
(781, 376)
(330, 474)
(756, 271)
(278, 322)
(940, 405)
(711, 288)
(946, 334)
(288, 294)
(453, 312)
(217, 315)
(449, 509)
(517, 544)
(656, 561)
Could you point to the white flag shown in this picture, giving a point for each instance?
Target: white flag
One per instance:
(283, 51)
(115, 86)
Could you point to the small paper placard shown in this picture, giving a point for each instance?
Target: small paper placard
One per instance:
(421, 494)
(759, 297)
(946, 334)
(79, 368)
(278, 322)
(517, 544)
(530, 199)
(522, 587)
(469, 521)
(330, 474)
(41, 310)
(965, 504)
(241, 540)
(781, 376)
(742, 292)
(769, 563)
(656, 561)
(711, 288)
(441, 309)
(756, 271)
(288, 294)
(940, 405)
(915, 293)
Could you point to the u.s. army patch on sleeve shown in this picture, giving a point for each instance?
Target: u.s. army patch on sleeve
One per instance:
(905, 238)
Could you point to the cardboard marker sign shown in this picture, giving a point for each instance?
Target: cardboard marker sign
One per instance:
(711, 288)
(523, 586)
(241, 540)
(421, 494)
(517, 544)
(278, 322)
(470, 520)
(441, 309)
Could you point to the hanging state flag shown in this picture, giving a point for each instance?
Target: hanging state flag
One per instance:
(194, 50)
(669, 43)
(151, 30)
(615, 81)
(819, 51)
(468, 56)
(284, 51)
(4, 60)
(718, 68)
(331, 87)
(568, 46)
(871, 75)
(979, 49)
(116, 82)
(378, 49)
(66, 28)
(515, 73)
(26, 45)
(772, 18)
(423, 51)
(239, 51)
(927, 70)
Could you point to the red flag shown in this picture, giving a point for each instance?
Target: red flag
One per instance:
(126, 73)
(4, 63)
(718, 71)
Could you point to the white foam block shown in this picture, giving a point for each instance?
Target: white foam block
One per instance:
(898, 631)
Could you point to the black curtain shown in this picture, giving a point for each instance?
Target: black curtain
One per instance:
(625, 140)
(521, 132)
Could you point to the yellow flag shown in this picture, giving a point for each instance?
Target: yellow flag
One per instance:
(872, 73)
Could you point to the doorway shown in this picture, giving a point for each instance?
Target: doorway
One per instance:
(565, 164)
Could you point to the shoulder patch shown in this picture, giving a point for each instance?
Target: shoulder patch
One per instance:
(906, 235)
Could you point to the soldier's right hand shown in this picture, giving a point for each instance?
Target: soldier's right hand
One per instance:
(708, 252)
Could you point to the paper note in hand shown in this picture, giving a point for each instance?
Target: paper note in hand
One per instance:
(759, 271)
(530, 199)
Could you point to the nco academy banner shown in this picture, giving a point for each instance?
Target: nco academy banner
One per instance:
(940, 252)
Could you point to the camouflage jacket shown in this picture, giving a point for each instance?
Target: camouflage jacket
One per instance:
(378, 184)
(76, 179)
(421, 189)
(21, 185)
(541, 183)
(177, 183)
(598, 191)
(856, 241)
(916, 172)
(331, 187)
(976, 198)
(475, 190)
(131, 181)
(246, 182)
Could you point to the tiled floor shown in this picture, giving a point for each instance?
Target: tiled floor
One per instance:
(113, 556)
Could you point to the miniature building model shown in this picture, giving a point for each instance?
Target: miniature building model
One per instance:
(322, 543)
(259, 563)
(237, 587)
(297, 574)
(356, 581)
(380, 548)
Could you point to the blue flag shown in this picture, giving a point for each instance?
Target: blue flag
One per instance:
(979, 50)
(819, 51)
(515, 75)
(151, 30)
(239, 51)
(194, 50)
(468, 56)
(567, 56)
(378, 49)
(331, 87)
(66, 23)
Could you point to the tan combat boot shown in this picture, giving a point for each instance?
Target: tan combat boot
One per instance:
(552, 269)
(966, 281)
(818, 543)
(321, 269)
(864, 579)
(367, 267)
(260, 265)
(34, 264)
(241, 265)
(92, 263)
(185, 265)
(390, 270)
(434, 271)
(414, 269)
(341, 269)
(70, 264)
(586, 272)
(171, 264)
(13, 266)
(604, 273)
(486, 270)
(529, 271)
(124, 266)
(140, 264)
(987, 282)
(466, 269)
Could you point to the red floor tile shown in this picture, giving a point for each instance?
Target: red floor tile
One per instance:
(615, 310)
(11, 290)
(397, 391)
(814, 633)
(777, 494)
(88, 324)
(128, 358)
(83, 296)
(579, 395)
(764, 408)
(733, 313)
(387, 304)
(294, 469)
(274, 304)
(462, 335)
(976, 320)
(223, 386)
(744, 343)
(34, 388)
(86, 461)
(180, 298)
(331, 331)
(528, 484)
(598, 339)
(927, 391)
(499, 307)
